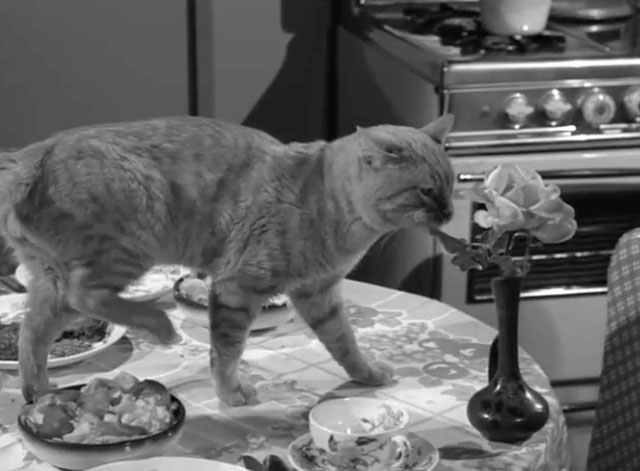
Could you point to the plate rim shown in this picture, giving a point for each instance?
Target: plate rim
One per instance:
(307, 436)
(283, 314)
(179, 461)
(115, 334)
(22, 275)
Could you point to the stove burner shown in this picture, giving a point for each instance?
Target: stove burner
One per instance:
(463, 29)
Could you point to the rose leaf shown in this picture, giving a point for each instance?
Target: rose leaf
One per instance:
(471, 259)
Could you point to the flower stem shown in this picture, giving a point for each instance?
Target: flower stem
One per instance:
(512, 242)
(526, 249)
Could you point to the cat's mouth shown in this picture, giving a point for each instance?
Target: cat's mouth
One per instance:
(431, 217)
(437, 209)
(426, 214)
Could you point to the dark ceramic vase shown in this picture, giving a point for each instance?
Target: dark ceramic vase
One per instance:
(507, 410)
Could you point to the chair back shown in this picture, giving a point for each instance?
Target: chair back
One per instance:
(615, 440)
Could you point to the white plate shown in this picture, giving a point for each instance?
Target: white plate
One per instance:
(267, 319)
(272, 318)
(154, 284)
(303, 456)
(168, 463)
(12, 307)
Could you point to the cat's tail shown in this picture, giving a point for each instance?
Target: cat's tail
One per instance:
(8, 180)
(8, 175)
(17, 170)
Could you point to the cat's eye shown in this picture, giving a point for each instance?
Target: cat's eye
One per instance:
(426, 192)
(396, 152)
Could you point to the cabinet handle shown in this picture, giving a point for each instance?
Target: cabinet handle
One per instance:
(577, 173)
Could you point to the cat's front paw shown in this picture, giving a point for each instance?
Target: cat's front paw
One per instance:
(166, 333)
(158, 324)
(31, 391)
(240, 395)
(377, 374)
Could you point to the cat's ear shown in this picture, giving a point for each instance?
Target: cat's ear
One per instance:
(438, 129)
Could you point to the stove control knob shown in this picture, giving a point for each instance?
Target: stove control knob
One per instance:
(597, 107)
(631, 102)
(517, 110)
(555, 107)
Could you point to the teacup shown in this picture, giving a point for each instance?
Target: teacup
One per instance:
(361, 433)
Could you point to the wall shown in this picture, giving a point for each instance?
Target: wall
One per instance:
(66, 63)
(264, 63)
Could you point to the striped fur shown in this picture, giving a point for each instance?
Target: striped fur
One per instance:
(91, 209)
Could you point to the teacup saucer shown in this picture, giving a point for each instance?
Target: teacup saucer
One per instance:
(304, 456)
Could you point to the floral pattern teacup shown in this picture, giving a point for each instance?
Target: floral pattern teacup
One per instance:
(361, 433)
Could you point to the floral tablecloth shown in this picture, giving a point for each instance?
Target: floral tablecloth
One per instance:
(439, 353)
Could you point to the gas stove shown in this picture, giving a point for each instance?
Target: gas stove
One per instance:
(575, 85)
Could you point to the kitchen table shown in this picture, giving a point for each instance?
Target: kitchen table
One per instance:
(439, 354)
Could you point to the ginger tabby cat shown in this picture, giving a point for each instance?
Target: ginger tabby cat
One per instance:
(90, 210)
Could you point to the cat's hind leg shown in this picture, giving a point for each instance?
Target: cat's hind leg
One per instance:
(44, 321)
(320, 305)
(231, 312)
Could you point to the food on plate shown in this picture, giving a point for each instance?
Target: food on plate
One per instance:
(195, 287)
(78, 337)
(154, 283)
(102, 411)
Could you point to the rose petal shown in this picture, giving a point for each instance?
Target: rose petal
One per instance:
(533, 221)
(479, 194)
(556, 232)
(483, 219)
(508, 214)
(532, 194)
(553, 208)
(552, 191)
(516, 196)
(531, 176)
(498, 178)
(518, 199)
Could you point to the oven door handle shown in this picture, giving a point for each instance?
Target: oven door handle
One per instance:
(563, 174)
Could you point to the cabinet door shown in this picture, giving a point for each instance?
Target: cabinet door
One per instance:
(67, 63)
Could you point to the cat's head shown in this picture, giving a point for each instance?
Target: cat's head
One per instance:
(402, 175)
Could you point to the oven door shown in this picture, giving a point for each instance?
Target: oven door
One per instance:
(606, 205)
(563, 307)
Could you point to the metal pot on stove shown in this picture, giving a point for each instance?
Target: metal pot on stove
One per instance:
(591, 10)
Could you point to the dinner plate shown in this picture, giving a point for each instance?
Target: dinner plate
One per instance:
(154, 284)
(12, 307)
(266, 320)
(269, 318)
(168, 463)
(304, 456)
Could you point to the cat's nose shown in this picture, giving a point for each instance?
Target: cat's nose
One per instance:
(447, 212)
(436, 201)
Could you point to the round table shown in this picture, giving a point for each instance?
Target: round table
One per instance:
(439, 353)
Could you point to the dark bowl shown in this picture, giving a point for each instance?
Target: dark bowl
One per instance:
(177, 294)
(81, 456)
